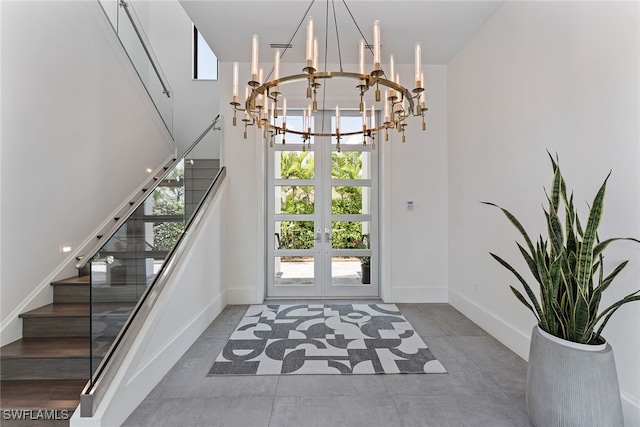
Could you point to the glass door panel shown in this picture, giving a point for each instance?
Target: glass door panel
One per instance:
(294, 271)
(294, 199)
(350, 200)
(347, 271)
(294, 165)
(348, 164)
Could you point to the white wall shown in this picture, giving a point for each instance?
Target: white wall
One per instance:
(78, 132)
(245, 160)
(414, 243)
(195, 102)
(561, 76)
(192, 298)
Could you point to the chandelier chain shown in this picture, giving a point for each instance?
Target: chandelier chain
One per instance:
(326, 50)
(358, 27)
(335, 21)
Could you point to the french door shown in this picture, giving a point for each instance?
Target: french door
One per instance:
(322, 214)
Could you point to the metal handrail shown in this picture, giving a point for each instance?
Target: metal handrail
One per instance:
(96, 388)
(125, 6)
(106, 236)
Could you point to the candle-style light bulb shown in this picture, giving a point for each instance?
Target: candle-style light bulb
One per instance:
(309, 117)
(235, 81)
(372, 123)
(315, 53)
(254, 57)
(386, 106)
(276, 62)
(392, 69)
(284, 110)
(361, 56)
(246, 95)
(260, 98)
(364, 115)
(418, 67)
(376, 44)
(337, 117)
(310, 41)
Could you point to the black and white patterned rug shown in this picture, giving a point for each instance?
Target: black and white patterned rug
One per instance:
(274, 339)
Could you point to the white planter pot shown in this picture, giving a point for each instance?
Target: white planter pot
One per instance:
(570, 384)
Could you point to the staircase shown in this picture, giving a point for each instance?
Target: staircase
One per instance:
(43, 374)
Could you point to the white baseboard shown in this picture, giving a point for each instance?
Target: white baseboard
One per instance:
(630, 409)
(517, 341)
(419, 295)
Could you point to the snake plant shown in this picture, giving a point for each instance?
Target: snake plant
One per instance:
(568, 267)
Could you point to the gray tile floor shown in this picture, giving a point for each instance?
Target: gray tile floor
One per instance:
(485, 385)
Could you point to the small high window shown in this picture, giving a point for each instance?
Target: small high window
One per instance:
(205, 62)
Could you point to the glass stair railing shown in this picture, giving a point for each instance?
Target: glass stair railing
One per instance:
(129, 259)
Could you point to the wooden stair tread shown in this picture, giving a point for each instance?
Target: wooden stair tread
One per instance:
(41, 394)
(75, 309)
(76, 280)
(50, 348)
(59, 310)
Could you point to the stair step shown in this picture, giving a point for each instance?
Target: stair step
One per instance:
(72, 319)
(58, 399)
(49, 358)
(56, 320)
(73, 289)
(76, 290)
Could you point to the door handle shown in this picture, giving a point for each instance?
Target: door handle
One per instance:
(327, 235)
(318, 235)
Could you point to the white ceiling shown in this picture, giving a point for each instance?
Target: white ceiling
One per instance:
(442, 27)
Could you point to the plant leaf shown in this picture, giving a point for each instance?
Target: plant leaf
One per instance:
(541, 317)
(524, 301)
(530, 262)
(554, 201)
(585, 261)
(609, 279)
(613, 308)
(600, 247)
(516, 224)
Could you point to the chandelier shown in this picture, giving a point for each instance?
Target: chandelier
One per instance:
(265, 104)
